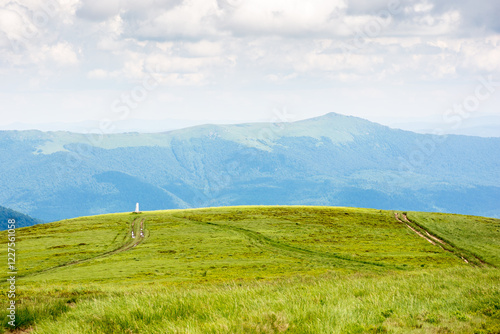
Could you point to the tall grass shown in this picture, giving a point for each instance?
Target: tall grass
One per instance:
(459, 300)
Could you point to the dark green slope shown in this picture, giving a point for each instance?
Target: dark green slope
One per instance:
(329, 160)
(21, 220)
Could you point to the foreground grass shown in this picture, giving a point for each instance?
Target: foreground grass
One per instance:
(458, 300)
(258, 270)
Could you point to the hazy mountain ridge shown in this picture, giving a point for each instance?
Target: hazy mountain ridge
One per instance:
(329, 160)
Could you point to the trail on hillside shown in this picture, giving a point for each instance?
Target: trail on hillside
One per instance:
(333, 259)
(417, 232)
(137, 236)
(433, 239)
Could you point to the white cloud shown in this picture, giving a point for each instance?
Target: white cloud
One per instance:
(113, 26)
(422, 7)
(284, 17)
(15, 24)
(237, 46)
(193, 19)
(98, 9)
(204, 48)
(98, 74)
(482, 56)
(62, 54)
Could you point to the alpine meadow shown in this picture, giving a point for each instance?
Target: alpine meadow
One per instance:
(260, 269)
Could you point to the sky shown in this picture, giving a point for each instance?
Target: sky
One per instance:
(409, 63)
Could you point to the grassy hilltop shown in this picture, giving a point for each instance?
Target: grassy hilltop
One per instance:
(259, 270)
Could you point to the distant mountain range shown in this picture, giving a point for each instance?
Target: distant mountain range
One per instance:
(481, 126)
(329, 160)
(21, 220)
(119, 126)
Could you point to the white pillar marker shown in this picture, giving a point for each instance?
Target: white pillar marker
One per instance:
(137, 207)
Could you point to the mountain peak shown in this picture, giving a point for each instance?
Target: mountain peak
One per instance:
(327, 116)
(333, 114)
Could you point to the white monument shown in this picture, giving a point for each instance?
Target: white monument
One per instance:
(137, 207)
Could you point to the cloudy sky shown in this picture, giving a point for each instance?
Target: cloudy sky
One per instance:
(390, 61)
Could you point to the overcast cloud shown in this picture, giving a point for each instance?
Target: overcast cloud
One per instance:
(70, 60)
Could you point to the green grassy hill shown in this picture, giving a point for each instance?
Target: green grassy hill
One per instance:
(259, 270)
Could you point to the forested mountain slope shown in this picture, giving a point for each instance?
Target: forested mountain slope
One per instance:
(329, 160)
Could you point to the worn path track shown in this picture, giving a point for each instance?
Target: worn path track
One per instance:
(137, 235)
(425, 234)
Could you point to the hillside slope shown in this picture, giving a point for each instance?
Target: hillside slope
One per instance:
(329, 160)
(239, 242)
(259, 270)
